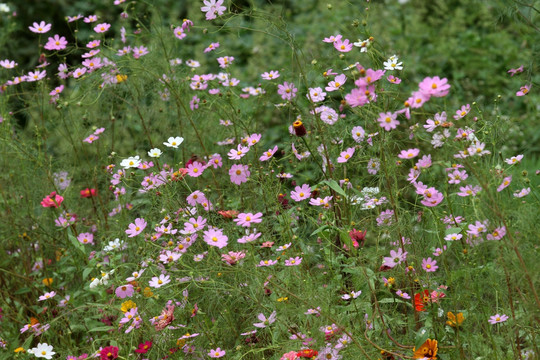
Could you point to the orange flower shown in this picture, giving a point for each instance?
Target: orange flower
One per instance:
(47, 281)
(455, 320)
(428, 350)
(421, 299)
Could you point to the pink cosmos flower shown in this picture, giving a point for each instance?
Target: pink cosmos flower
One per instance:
(321, 202)
(497, 234)
(337, 83)
(139, 51)
(409, 154)
(225, 61)
(56, 43)
(316, 94)
(8, 64)
(215, 353)
(35, 75)
(94, 43)
(246, 219)
(388, 121)
(124, 291)
(293, 261)
(101, 28)
(513, 72)
(396, 258)
(346, 155)
(524, 90)
(215, 237)
(238, 153)
(90, 19)
(417, 100)
(358, 134)
(90, 139)
(434, 86)
(268, 154)
(265, 321)
(287, 91)
(301, 193)
(343, 46)
(267, 263)
(332, 39)
(52, 200)
(211, 8)
(47, 296)
(506, 181)
(457, 176)
(136, 227)
(291, 355)
(211, 47)
(373, 166)
(77, 73)
(86, 238)
(239, 174)
(195, 169)
(429, 265)
(158, 282)
(270, 75)
(233, 257)
(514, 159)
(393, 79)
(179, 32)
(40, 28)
(462, 112)
(495, 319)
(523, 192)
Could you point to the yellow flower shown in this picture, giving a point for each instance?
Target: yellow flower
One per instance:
(282, 299)
(147, 292)
(428, 350)
(47, 281)
(20, 350)
(455, 320)
(120, 78)
(127, 305)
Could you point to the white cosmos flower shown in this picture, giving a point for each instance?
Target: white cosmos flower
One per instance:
(42, 350)
(174, 142)
(131, 162)
(155, 153)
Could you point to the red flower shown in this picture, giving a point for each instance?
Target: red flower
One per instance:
(86, 193)
(307, 353)
(421, 299)
(109, 353)
(144, 347)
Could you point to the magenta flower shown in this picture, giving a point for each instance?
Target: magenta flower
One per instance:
(462, 112)
(468, 190)
(215, 353)
(514, 159)
(52, 200)
(457, 176)
(124, 291)
(77, 73)
(287, 91)
(101, 28)
(524, 90)
(265, 321)
(505, 183)
(35, 75)
(56, 43)
(238, 153)
(343, 45)
(513, 72)
(337, 83)
(523, 192)
(40, 28)
(497, 234)
(268, 154)
(388, 121)
(139, 51)
(293, 261)
(246, 219)
(239, 174)
(346, 155)
(136, 228)
(393, 79)
(434, 86)
(86, 238)
(409, 154)
(179, 32)
(215, 237)
(403, 295)
(429, 265)
(332, 39)
(90, 139)
(495, 319)
(301, 193)
(225, 61)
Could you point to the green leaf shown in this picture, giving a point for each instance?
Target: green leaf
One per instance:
(23, 290)
(454, 230)
(322, 228)
(102, 328)
(334, 186)
(421, 336)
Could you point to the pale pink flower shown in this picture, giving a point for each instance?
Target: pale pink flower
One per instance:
(136, 227)
(409, 154)
(158, 282)
(273, 74)
(267, 155)
(301, 193)
(40, 28)
(239, 174)
(506, 181)
(388, 121)
(293, 261)
(265, 321)
(101, 28)
(346, 155)
(524, 90)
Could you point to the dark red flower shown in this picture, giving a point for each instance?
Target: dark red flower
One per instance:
(307, 353)
(144, 347)
(86, 193)
(109, 353)
(358, 236)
